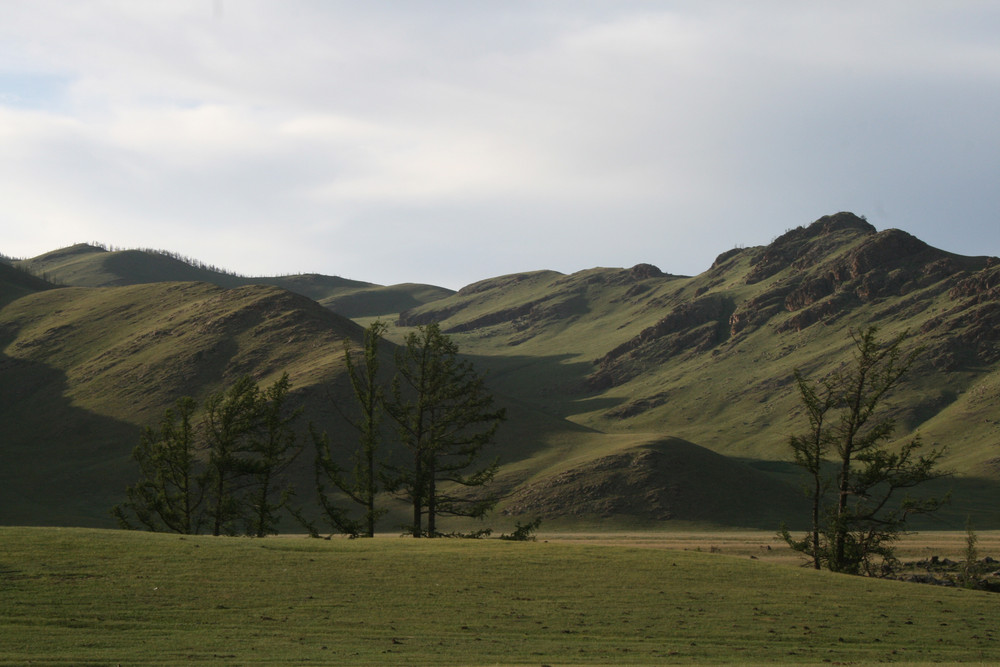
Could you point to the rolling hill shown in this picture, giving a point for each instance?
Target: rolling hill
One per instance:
(85, 265)
(634, 395)
(83, 369)
(709, 358)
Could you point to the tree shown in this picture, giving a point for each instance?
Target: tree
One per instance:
(272, 450)
(223, 472)
(231, 420)
(810, 451)
(170, 491)
(445, 418)
(854, 530)
(362, 485)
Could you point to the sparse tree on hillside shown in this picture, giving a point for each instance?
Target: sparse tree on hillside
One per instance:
(170, 490)
(362, 485)
(445, 418)
(857, 522)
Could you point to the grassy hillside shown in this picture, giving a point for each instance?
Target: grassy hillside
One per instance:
(85, 265)
(710, 358)
(85, 368)
(633, 394)
(15, 283)
(99, 597)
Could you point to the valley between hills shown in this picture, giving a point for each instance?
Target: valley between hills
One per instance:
(635, 397)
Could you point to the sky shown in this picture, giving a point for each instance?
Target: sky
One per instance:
(446, 142)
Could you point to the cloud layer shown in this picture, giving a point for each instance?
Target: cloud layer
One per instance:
(446, 142)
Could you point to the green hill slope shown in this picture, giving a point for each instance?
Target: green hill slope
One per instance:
(710, 358)
(15, 283)
(633, 394)
(85, 265)
(84, 368)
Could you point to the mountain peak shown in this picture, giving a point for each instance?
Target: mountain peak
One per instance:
(796, 245)
(840, 222)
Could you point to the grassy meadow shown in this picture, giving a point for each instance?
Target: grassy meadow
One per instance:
(81, 596)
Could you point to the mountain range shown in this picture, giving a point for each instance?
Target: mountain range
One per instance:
(635, 396)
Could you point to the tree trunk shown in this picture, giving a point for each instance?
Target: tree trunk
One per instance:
(815, 520)
(431, 493)
(370, 495)
(418, 500)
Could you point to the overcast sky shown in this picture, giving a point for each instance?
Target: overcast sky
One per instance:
(449, 141)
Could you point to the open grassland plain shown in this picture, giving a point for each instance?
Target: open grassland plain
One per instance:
(768, 546)
(79, 596)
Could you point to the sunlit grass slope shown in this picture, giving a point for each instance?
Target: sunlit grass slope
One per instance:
(96, 597)
(634, 395)
(84, 265)
(710, 358)
(84, 369)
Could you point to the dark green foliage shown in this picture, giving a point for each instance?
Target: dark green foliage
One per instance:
(362, 486)
(170, 490)
(327, 472)
(231, 421)
(478, 534)
(225, 473)
(524, 532)
(857, 512)
(445, 418)
(272, 450)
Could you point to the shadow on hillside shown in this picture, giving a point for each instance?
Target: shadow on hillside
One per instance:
(540, 394)
(62, 465)
(556, 384)
(972, 498)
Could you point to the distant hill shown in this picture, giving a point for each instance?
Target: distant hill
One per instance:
(634, 396)
(15, 283)
(85, 265)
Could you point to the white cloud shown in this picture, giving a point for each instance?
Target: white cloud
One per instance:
(526, 135)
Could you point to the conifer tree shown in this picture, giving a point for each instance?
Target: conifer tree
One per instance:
(362, 484)
(273, 449)
(445, 418)
(231, 421)
(222, 473)
(170, 489)
(856, 524)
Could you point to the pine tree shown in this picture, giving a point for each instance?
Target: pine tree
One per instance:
(272, 451)
(170, 489)
(445, 418)
(232, 418)
(362, 485)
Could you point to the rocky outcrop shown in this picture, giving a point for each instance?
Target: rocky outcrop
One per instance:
(800, 245)
(644, 272)
(981, 286)
(695, 326)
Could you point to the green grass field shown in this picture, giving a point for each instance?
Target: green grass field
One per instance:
(76, 596)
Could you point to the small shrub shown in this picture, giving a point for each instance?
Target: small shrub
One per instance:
(474, 535)
(969, 568)
(524, 532)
